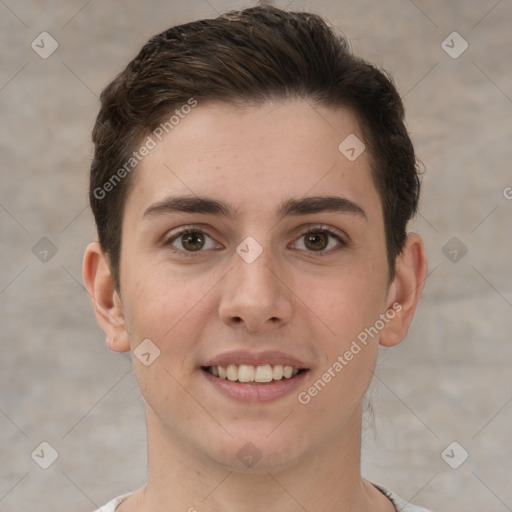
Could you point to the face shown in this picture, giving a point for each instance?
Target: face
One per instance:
(251, 243)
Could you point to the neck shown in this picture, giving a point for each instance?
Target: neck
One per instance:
(327, 478)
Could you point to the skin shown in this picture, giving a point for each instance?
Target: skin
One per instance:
(291, 298)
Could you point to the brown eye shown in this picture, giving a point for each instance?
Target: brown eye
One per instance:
(320, 239)
(316, 241)
(193, 241)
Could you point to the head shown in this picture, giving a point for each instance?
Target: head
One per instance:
(248, 58)
(235, 227)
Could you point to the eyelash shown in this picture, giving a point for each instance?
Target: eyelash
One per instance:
(312, 229)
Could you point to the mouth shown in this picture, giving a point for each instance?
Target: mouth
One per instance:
(251, 377)
(252, 374)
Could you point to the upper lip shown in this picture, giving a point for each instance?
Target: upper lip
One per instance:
(239, 357)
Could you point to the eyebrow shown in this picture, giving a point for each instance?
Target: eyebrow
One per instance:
(290, 207)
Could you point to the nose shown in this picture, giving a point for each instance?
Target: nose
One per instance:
(255, 295)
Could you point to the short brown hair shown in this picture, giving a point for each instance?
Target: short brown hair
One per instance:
(249, 57)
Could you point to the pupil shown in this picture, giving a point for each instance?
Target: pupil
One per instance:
(318, 240)
(193, 241)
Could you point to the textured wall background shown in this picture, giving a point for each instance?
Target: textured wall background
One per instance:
(451, 379)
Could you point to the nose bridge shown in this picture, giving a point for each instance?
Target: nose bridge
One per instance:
(252, 293)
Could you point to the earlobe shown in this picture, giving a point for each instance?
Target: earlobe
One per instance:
(405, 290)
(105, 299)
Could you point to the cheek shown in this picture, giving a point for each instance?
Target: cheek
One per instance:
(347, 304)
(168, 308)
(351, 309)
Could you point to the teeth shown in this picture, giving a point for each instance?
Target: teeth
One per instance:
(288, 372)
(232, 372)
(246, 373)
(263, 373)
(249, 373)
(277, 372)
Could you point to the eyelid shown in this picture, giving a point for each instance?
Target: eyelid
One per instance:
(325, 227)
(339, 235)
(173, 233)
(170, 237)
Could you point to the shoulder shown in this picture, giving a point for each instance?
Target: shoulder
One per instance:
(113, 504)
(400, 504)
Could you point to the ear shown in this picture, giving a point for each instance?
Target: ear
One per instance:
(405, 290)
(105, 299)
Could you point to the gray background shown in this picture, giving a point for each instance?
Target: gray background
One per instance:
(450, 380)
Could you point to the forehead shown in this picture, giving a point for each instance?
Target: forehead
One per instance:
(255, 156)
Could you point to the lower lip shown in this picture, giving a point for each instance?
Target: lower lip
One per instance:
(256, 392)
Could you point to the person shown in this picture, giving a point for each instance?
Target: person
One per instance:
(252, 184)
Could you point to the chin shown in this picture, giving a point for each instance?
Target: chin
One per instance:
(255, 451)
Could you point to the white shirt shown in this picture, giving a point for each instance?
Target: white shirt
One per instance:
(400, 504)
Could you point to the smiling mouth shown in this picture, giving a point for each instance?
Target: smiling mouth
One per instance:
(249, 374)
